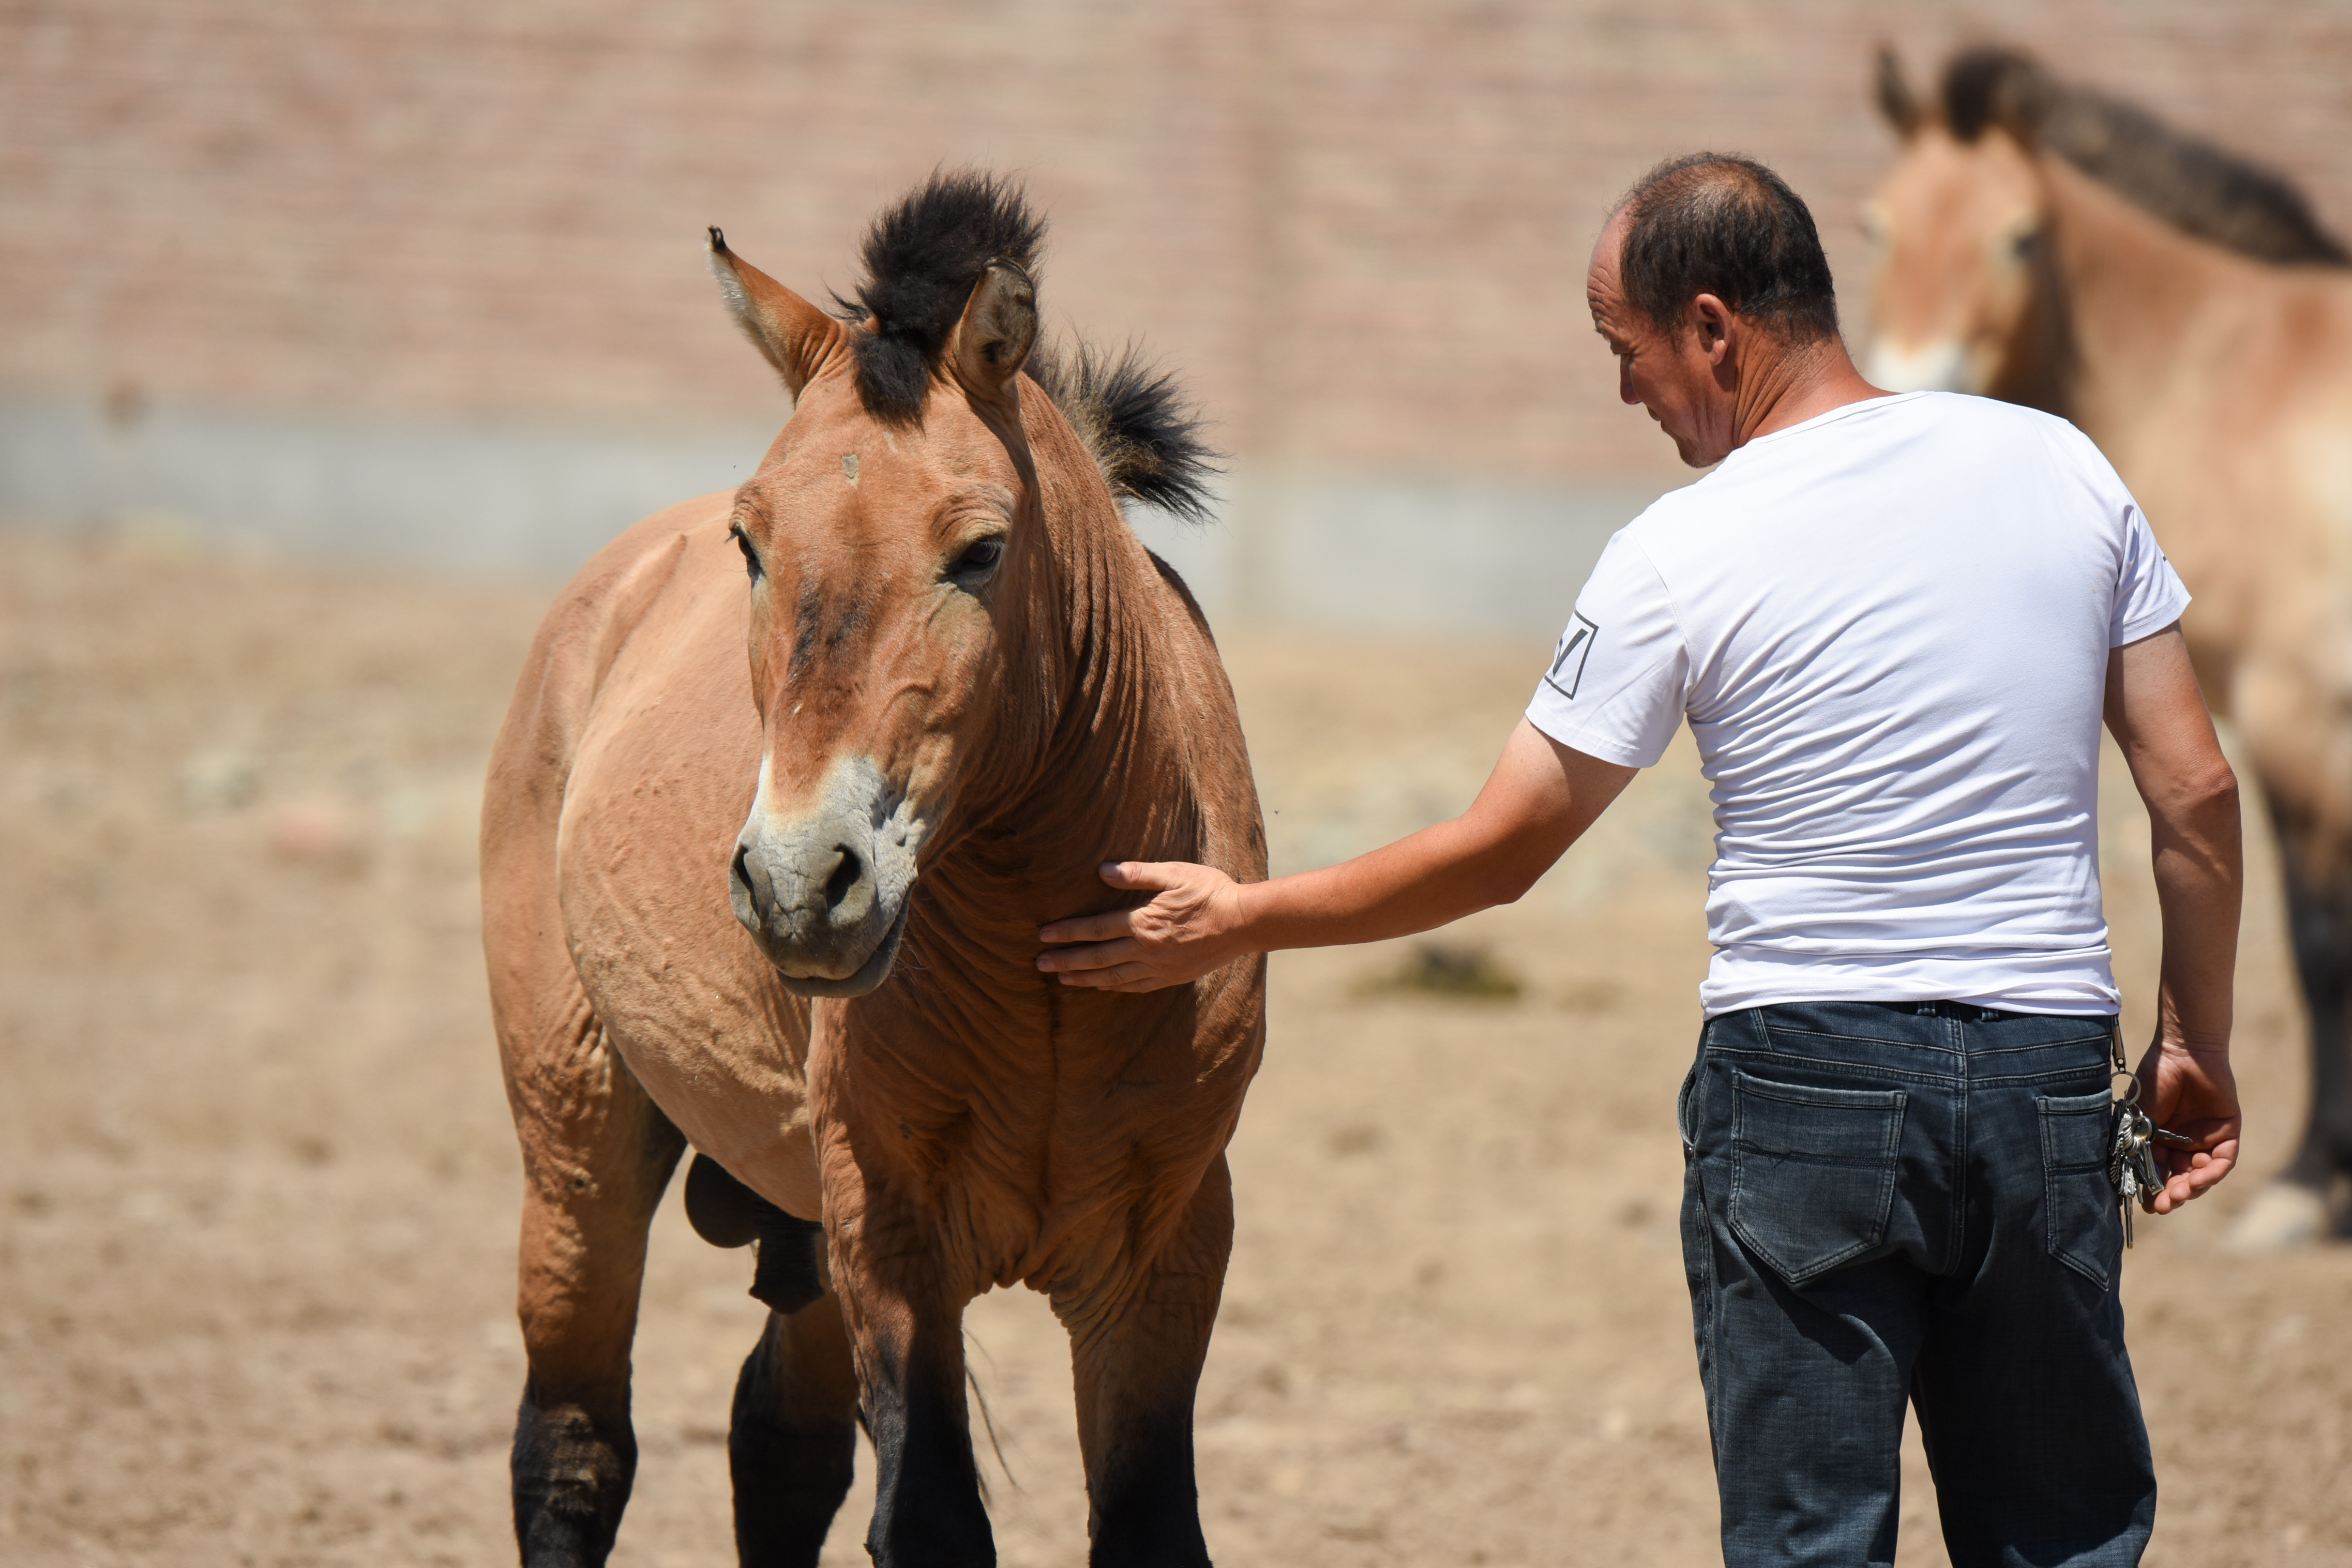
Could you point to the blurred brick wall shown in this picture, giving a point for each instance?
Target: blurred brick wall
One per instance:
(1358, 226)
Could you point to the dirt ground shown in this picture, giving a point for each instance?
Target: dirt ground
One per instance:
(258, 1189)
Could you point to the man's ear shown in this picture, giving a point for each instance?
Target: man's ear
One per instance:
(1712, 320)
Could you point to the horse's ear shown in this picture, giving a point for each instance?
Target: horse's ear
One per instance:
(998, 329)
(1896, 101)
(794, 334)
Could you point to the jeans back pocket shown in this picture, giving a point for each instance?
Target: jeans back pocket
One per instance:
(1812, 1172)
(2077, 1200)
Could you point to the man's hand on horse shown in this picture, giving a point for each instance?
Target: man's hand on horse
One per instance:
(1182, 934)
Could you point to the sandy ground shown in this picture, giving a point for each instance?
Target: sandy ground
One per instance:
(258, 1190)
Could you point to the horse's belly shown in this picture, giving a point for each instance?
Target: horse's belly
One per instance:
(664, 773)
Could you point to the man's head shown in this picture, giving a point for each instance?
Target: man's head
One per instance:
(1708, 284)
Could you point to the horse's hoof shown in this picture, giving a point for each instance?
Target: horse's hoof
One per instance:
(2283, 1217)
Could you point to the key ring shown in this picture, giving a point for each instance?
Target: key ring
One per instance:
(2129, 1101)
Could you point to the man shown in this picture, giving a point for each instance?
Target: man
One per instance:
(1893, 625)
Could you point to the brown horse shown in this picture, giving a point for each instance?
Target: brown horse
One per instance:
(783, 907)
(2057, 247)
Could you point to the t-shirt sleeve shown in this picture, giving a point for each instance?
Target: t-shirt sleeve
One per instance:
(1619, 677)
(2149, 595)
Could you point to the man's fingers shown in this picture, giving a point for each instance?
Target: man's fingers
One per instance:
(1130, 976)
(1153, 876)
(2178, 1160)
(2200, 1172)
(1129, 875)
(2207, 1171)
(1105, 927)
(1092, 957)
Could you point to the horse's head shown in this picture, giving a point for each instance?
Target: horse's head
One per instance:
(890, 535)
(1959, 225)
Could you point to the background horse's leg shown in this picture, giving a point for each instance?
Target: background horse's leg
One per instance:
(1137, 1369)
(2319, 911)
(794, 1440)
(596, 1155)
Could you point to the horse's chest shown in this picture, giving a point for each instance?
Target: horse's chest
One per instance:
(1043, 1153)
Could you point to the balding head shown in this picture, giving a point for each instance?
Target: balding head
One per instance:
(1717, 224)
(1709, 286)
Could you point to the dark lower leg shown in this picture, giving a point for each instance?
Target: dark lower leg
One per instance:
(1137, 1368)
(572, 1477)
(2319, 915)
(794, 1440)
(1146, 1502)
(592, 1184)
(927, 1507)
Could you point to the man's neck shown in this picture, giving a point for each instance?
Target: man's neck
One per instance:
(1794, 385)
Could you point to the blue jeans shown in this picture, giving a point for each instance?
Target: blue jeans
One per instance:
(1907, 1203)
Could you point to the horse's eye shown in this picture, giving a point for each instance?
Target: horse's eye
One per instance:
(750, 556)
(978, 559)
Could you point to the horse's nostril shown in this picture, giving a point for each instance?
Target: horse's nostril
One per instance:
(742, 868)
(845, 876)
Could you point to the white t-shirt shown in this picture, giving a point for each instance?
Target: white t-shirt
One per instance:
(1888, 628)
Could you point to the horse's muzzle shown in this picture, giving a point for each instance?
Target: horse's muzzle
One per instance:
(1941, 366)
(824, 893)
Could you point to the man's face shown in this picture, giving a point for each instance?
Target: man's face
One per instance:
(1674, 374)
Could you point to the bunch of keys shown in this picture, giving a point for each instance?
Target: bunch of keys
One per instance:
(2131, 1166)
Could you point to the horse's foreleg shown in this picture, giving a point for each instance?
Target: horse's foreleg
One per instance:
(596, 1155)
(906, 1332)
(794, 1438)
(2319, 913)
(1138, 1367)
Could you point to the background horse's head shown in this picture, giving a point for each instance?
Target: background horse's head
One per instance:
(1959, 302)
(1967, 296)
(899, 560)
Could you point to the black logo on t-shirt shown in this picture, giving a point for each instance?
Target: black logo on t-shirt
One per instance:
(1567, 671)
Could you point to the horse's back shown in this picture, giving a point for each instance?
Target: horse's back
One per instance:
(624, 770)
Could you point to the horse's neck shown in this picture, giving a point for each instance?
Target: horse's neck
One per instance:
(1106, 770)
(2174, 345)
(1121, 761)
(2138, 298)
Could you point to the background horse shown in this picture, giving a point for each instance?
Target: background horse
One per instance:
(783, 907)
(2057, 247)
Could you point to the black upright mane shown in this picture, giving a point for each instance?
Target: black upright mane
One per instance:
(924, 257)
(1145, 434)
(2189, 181)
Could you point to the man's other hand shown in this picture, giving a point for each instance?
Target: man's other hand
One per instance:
(2190, 1092)
(1182, 934)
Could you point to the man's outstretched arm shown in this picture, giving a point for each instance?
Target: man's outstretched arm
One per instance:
(2159, 719)
(1539, 799)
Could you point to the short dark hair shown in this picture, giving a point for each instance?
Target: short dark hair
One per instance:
(1716, 223)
